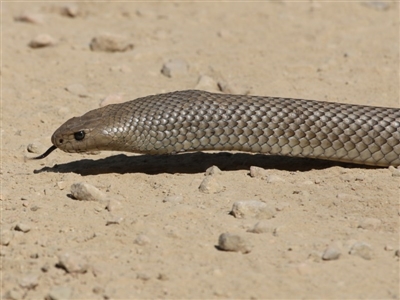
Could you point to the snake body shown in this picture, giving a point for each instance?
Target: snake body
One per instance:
(197, 120)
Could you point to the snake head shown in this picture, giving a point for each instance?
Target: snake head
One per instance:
(82, 134)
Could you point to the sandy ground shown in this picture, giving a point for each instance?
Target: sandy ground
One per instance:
(156, 235)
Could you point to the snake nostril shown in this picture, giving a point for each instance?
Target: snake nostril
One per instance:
(60, 141)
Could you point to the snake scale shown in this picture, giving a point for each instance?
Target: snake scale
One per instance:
(197, 121)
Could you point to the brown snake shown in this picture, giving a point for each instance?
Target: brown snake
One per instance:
(197, 120)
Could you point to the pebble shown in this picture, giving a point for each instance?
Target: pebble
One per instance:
(370, 224)
(115, 220)
(233, 242)
(175, 67)
(114, 205)
(395, 171)
(29, 281)
(142, 240)
(6, 237)
(61, 185)
(112, 99)
(388, 248)
(261, 227)
(77, 89)
(397, 253)
(34, 147)
(143, 276)
(23, 227)
(72, 262)
(257, 172)
(213, 170)
(210, 185)
(207, 83)
(252, 209)
(361, 249)
(110, 43)
(59, 293)
(70, 10)
(274, 179)
(30, 18)
(42, 40)
(87, 192)
(176, 199)
(332, 252)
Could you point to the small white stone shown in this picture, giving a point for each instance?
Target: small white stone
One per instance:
(34, 147)
(388, 248)
(213, 170)
(61, 185)
(142, 240)
(252, 209)
(114, 220)
(110, 43)
(30, 18)
(114, 205)
(175, 67)
(274, 179)
(85, 191)
(210, 185)
(72, 262)
(70, 10)
(23, 227)
(332, 252)
(206, 83)
(233, 242)
(257, 172)
(395, 171)
(370, 224)
(42, 40)
(361, 249)
(262, 227)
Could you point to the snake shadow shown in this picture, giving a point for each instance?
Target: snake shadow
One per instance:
(189, 163)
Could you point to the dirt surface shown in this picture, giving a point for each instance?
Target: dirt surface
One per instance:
(155, 234)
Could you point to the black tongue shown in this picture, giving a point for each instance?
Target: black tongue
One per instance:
(51, 149)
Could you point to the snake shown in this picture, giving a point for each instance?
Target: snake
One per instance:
(194, 120)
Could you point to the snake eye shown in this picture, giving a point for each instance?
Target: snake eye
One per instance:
(79, 136)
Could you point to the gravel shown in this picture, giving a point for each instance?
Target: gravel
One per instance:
(87, 192)
(233, 242)
(210, 185)
(361, 249)
(72, 262)
(252, 209)
(370, 224)
(110, 43)
(175, 67)
(42, 40)
(332, 252)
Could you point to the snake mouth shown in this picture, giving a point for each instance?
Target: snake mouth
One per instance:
(51, 149)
